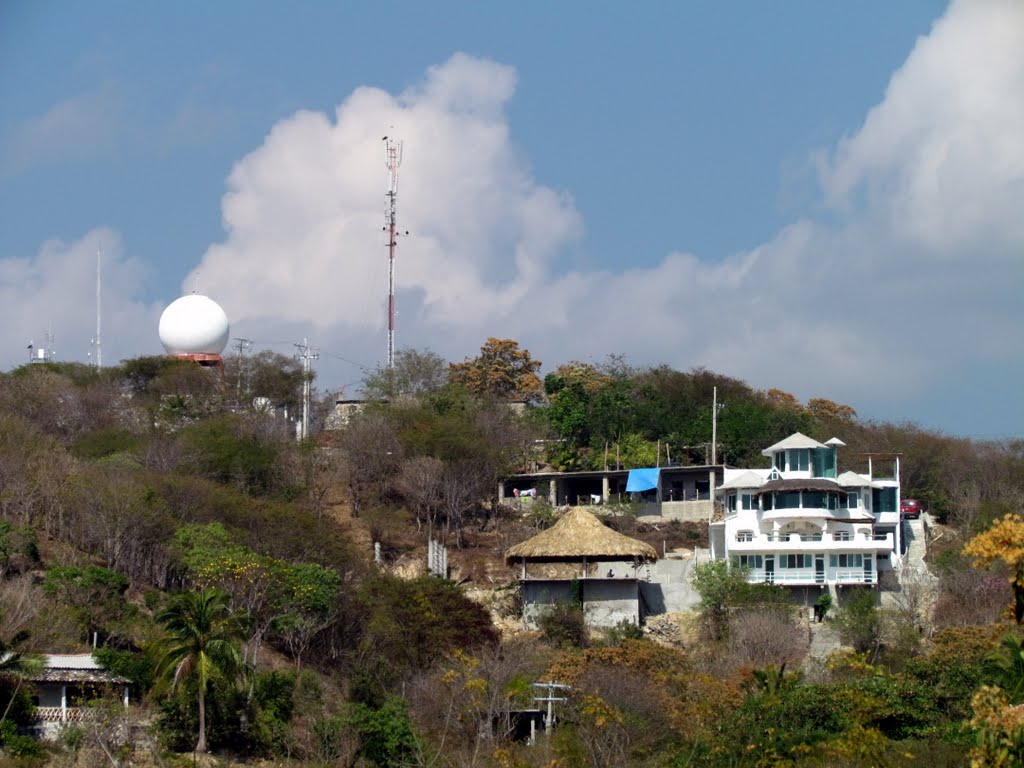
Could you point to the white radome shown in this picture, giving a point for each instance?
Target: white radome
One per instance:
(194, 325)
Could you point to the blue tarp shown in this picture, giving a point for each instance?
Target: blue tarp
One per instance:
(642, 479)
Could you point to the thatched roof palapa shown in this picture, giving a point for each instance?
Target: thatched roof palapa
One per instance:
(579, 534)
(806, 484)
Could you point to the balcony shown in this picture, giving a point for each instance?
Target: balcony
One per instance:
(61, 714)
(795, 542)
(807, 576)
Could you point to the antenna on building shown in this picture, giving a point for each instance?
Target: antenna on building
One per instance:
(306, 354)
(45, 353)
(394, 155)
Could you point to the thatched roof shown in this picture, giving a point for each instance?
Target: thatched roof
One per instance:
(580, 534)
(806, 484)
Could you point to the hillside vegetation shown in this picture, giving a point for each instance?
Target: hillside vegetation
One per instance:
(165, 515)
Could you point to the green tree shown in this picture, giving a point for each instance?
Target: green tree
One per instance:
(502, 370)
(721, 588)
(1005, 668)
(201, 642)
(859, 622)
(416, 373)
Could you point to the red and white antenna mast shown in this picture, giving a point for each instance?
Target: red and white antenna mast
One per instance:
(394, 153)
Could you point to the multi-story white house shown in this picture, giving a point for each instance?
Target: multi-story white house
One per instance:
(802, 523)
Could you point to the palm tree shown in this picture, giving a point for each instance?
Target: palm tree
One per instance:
(201, 642)
(14, 664)
(1005, 668)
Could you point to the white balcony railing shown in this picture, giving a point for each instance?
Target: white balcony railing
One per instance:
(811, 543)
(61, 714)
(799, 576)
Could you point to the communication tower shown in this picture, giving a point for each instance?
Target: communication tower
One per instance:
(394, 159)
(44, 353)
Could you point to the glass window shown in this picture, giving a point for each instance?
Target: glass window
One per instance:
(787, 500)
(748, 561)
(852, 499)
(768, 501)
(814, 500)
(744, 536)
(795, 561)
(883, 499)
(833, 501)
(780, 461)
(730, 501)
(846, 561)
(799, 459)
(841, 536)
(748, 501)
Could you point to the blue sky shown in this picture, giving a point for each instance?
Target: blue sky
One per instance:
(769, 190)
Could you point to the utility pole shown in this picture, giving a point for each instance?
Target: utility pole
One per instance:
(241, 345)
(714, 426)
(307, 354)
(394, 155)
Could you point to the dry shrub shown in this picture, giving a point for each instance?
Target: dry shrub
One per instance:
(970, 597)
(617, 714)
(761, 637)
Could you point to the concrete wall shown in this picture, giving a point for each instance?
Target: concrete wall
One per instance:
(606, 602)
(686, 511)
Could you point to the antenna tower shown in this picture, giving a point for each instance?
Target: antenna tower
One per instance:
(99, 327)
(306, 354)
(394, 155)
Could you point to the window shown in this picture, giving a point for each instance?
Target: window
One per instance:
(795, 561)
(841, 536)
(730, 502)
(748, 501)
(780, 461)
(814, 500)
(833, 501)
(883, 500)
(823, 462)
(744, 536)
(847, 561)
(748, 561)
(799, 458)
(852, 500)
(787, 500)
(768, 501)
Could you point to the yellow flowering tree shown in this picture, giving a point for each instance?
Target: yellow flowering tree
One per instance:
(1003, 542)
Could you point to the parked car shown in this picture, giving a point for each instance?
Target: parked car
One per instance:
(911, 508)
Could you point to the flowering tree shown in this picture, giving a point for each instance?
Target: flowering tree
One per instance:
(1004, 542)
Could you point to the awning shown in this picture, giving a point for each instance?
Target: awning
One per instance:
(642, 479)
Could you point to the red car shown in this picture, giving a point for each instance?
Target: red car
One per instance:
(911, 508)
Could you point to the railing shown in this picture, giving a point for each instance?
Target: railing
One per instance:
(811, 542)
(810, 576)
(61, 714)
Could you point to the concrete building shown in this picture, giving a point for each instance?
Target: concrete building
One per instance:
(579, 559)
(672, 493)
(802, 523)
(64, 687)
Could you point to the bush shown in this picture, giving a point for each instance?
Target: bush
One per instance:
(564, 625)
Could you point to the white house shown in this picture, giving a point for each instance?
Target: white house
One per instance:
(802, 523)
(65, 684)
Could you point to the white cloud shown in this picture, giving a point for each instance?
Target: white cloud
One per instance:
(916, 276)
(76, 128)
(55, 291)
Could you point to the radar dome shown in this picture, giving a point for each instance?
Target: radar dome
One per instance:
(194, 325)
